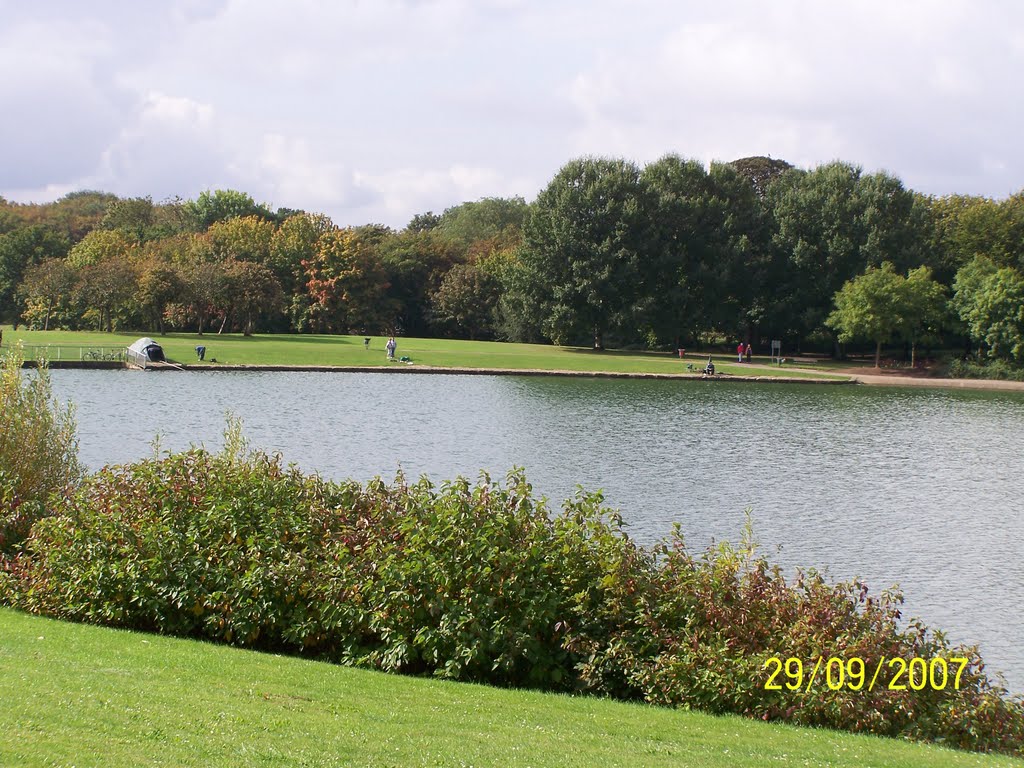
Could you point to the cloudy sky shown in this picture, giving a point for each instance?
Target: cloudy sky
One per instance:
(375, 110)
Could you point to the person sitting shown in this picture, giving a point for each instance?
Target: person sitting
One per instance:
(709, 369)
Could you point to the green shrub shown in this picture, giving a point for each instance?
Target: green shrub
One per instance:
(480, 582)
(991, 369)
(38, 448)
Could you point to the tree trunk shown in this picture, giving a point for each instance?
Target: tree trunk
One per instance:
(913, 354)
(878, 354)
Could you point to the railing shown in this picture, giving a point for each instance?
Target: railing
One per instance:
(59, 352)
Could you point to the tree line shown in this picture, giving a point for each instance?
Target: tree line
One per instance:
(609, 254)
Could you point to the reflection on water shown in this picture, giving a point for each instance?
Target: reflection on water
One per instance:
(918, 487)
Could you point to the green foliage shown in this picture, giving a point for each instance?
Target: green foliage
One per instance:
(221, 205)
(881, 303)
(346, 282)
(583, 248)
(20, 249)
(991, 369)
(491, 218)
(832, 223)
(38, 448)
(464, 303)
(990, 301)
(478, 582)
(760, 171)
(416, 263)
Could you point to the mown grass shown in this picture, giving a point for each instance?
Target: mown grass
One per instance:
(311, 349)
(87, 696)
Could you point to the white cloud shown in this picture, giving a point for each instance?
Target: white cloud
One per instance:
(388, 108)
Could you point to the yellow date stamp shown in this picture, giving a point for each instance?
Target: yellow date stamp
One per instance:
(854, 674)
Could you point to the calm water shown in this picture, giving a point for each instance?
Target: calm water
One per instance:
(919, 487)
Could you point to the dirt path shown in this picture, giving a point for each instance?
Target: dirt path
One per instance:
(872, 377)
(895, 380)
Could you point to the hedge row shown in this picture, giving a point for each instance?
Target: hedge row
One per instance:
(480, 582)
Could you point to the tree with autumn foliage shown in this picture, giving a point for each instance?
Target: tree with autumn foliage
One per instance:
(347, 284)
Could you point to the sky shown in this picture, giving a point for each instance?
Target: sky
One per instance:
(375, 111)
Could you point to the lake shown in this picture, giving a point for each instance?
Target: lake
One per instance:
(917, 487)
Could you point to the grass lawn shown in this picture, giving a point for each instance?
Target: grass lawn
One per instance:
(308, 349)
(87, 696)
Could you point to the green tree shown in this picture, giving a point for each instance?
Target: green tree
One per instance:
(220, 205)
(868, 307)
(927, 308)
(831, 223)
(253, 291)
(423, 222)
(100, 245)
(491, 218)
(585, 246)
(761, 171)
(135, 217)
(20, 249)
(881, 303)
(45, 290)
(106, 289)
(160, 284)
(465, 301)
(681, 247)
(246, 238)
(415, 263)
(990, 301)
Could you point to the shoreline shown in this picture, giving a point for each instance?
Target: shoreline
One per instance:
(865, 379)
(465, 371)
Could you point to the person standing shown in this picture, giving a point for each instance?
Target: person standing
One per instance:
(739, 352)
(748, 352)
(390, 347)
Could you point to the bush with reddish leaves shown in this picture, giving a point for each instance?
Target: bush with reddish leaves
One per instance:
(481, 582)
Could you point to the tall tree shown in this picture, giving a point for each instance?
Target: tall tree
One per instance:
(423, 222)
(990, 301)
(45, 291)
(681, 247)
(415, 263)
(294, 243)
(584, 245)
(347, 283)
(464, 302)
(760, 171)
(253, 292)
(245, 238)
(831, 223)
(927, 308)
(106, 288)
(490, 218)
(20, 249)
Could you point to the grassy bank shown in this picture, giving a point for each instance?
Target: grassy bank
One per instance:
(77, 695)
(308, 349)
